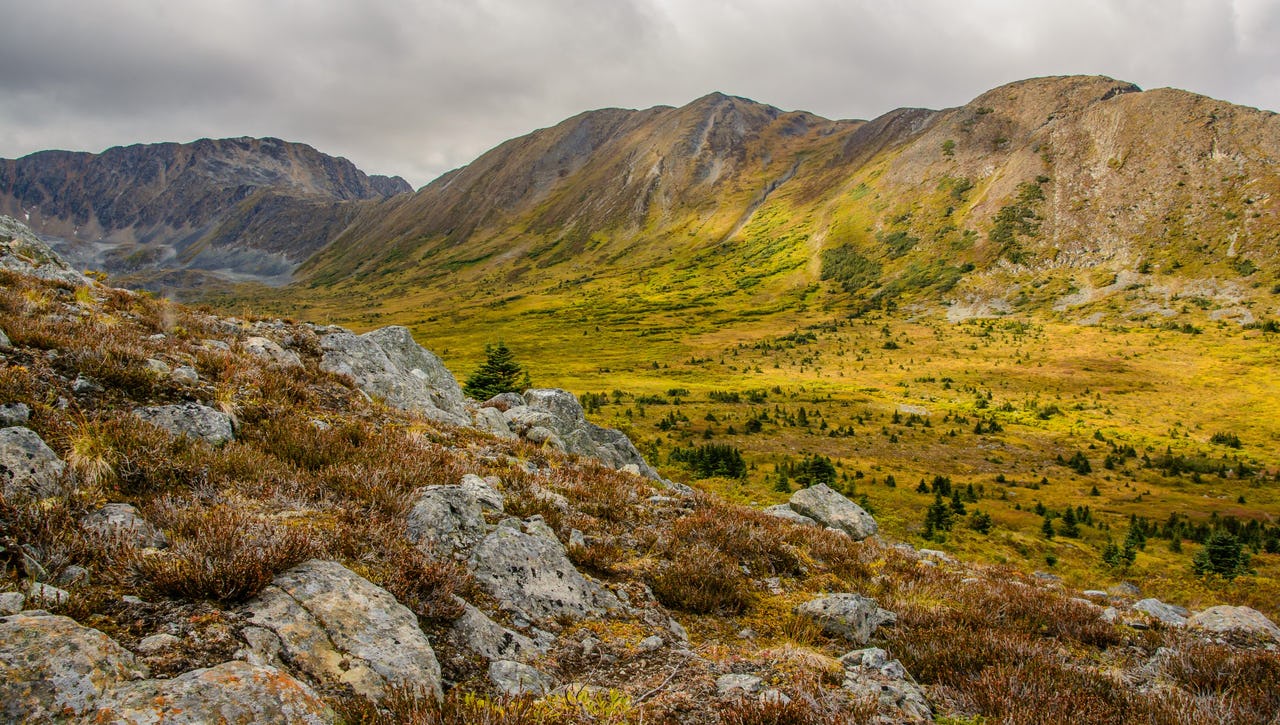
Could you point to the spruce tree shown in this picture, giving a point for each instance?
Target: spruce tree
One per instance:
(499, 373)
(1223, 554)
(1070, 526)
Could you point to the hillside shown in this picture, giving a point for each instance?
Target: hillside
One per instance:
(186, 215)
(249, 519)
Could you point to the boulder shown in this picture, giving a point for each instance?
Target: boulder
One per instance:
(515, 678)
(870, 674)
(5, 343)
(445, 519)
(1236, 620)
(156, 643)
(23, 252)
(735, 685)
(336, 626)
(484, 491)
(851, 616)
(232, 692)
(192, 420)
(562, 414)
(831, 509)
(1170, 614)
(480, 634)
(531, 576)
(27, 465)
(51, 667)
(269, 351)
(504, 401)
(46, 595)
(493, 422)
(786, 513)
(388, 364)
(11, 603)
(14, 414)
(122, 520)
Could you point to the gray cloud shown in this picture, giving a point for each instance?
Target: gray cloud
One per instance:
(415, 87)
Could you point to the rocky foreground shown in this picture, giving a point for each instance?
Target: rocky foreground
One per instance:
(208, 519)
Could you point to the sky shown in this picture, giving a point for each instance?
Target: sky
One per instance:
(418, 87)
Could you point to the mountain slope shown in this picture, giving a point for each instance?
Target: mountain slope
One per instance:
(252, 208)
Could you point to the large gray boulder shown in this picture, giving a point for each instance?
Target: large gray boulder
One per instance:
(1170, 614)
(480, 634)
(786, 513)
(533, 577)
(1236, 620)
(445, 519)
(232, 692)
(121, 520)
(870, 674)
(336, 626)
(388, 364)
(23, 252)
(27, 465)
(560, 412)
(199, 422)
(51, 667)
(830, 508)
(850, 616)
(516, 678)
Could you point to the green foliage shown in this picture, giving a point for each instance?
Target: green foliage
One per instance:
(949, 148)
(1230, 440)
(499, 373)
(712, 459)
(1223, 555)
(849, 269)
(1017, 219)
(897, 243)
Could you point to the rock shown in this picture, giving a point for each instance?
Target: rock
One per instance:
(27, 465)
(122, 520)
(540, 436)
(851, 616)
(388, 364)
(493, 422)
(504, 402)
(269, 351)
(652, 643)
(1094, 594)
(192, 420)
(532, 577)
(51, 667)
(232, 692)
(563, 415)
(831, 509)
(83, 386)
(157, 643)
(1124, 589)
(185, 374)
(869, 673)
(678, 630)
(490, 640)
(160, 367)
(483, 491)
(537, 526)
(11, 603)
(785, 512)
(337, 626)
(515, 678)
(73, 575)
(215, 345)
(46, 594)
(12, 414)
(735, 685)
(445, 519)
(23, 252)
(1046, 577)
(1168, 613)
(936, 555)
(5, 343)
(577, 540)
(775, 697)
(1238, 620)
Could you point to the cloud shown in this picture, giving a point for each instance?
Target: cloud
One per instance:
(418, 87)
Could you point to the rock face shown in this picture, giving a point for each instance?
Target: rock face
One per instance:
(22, 251)
(490, 640)
(559, 413)
(337, 626)
(50, 667)
(531, 576)
(191, 420)
(232, 692)
(268, 350)
(851, 616)
(27, 465)
(1239, 620)
(388, 364)
(829, 508)
(786, 513)
(869, 673)
(121, 519)
(1168, 613)
(445, 519)
(515, 679)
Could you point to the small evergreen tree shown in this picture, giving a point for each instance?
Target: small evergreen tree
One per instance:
(1223, 554)
(499, 373)
(1070, 526)
(1047, 529)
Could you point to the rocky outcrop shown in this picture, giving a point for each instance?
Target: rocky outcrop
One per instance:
(199, 422)
(51, 667)
(387, 364)
(445, 519)
(270, 351)
(22, 251)
(27, 465)
(849, 616)
(515, 678)
(824, 505)
(335, 626)
(1170, 614)
(232, 692)
(122, 520)
(556, 417)
(870, 674)
(532, 577)
(480, 634)
(786, 513)
(1235, 620)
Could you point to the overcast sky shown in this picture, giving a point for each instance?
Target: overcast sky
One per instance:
(417, 87)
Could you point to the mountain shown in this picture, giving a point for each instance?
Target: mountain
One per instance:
(1086, 186)
(246, 208)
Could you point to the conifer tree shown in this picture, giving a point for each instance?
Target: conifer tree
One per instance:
(499, 373)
